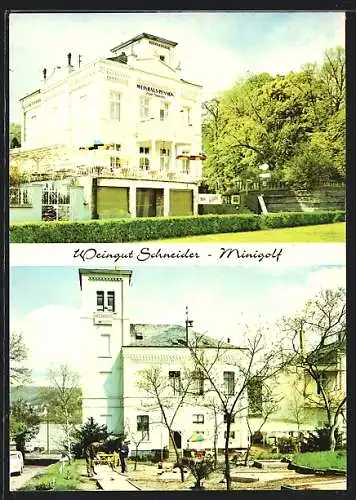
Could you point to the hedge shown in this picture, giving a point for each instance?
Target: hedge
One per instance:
(221, 209)
(153, 228)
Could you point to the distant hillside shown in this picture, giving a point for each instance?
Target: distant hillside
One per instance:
(46, 396)
(29, 393)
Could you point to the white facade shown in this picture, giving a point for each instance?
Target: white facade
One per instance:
(113, 352)
(142, 118)
(117, 352)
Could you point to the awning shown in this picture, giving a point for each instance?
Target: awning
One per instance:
(196, 437)
(89, 147)
(182, 157)
(197, 157)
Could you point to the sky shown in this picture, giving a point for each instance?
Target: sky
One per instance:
(215, 48)
(45, 302)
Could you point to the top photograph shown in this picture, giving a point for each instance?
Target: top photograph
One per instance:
(177, 127)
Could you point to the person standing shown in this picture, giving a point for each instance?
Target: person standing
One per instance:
(124, 453)
(90, 454)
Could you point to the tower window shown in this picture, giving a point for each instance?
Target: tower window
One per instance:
(105, 303)
(111, 301)
(100, 301)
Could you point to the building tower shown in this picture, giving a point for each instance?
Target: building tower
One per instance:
(105, 321)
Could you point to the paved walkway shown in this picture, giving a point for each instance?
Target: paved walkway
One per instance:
(110, 480)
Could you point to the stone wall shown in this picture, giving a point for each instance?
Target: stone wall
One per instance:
(287, 200)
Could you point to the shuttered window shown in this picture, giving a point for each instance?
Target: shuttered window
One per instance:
(112, 202)
(181, 202)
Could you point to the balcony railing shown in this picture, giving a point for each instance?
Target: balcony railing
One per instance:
(140, 174)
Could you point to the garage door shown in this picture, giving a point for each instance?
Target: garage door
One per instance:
(112, 202)
(181, 202)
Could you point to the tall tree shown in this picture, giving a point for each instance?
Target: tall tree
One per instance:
(67, 398)
(273, 120)
(24, 423)
(18, 354)
(166, 398)
(15, 135)
(227, 372)
(318, 336)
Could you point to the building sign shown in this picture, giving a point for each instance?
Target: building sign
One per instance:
(154, 91)
(210, 199)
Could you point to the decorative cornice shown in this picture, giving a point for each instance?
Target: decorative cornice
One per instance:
(156, 354)
(104, 278)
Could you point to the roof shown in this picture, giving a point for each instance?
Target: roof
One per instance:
(38, 91)
(328, 354)
(103, 272)
(190, 83)
(163, 335)
(144, 35)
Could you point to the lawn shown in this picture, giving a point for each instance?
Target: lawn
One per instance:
(72, 478)
(323, 233)
(322, 460)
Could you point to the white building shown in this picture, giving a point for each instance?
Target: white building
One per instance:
(117, 352)
(130, 122)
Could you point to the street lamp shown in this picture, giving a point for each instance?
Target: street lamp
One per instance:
(46, 414)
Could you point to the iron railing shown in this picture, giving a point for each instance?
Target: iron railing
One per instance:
(20, 196)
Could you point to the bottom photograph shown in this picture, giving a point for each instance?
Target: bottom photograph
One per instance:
(177, 378)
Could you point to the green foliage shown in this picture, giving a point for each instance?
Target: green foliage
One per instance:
(17, 355)
(292, 219)
(15, 135)
(143, 229)
(281, 121)
(52, 477)
(319, 440)
(312, 161)
(24, 423)
(217, 209)
(17, 177)
(287, 444)
(89, 432)
(322, 460)
(48, 397)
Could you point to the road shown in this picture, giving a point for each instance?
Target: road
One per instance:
(29, 471)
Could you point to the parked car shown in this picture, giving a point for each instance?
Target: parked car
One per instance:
(16, 462)
(29, 448)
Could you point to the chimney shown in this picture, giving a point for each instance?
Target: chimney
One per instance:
(188, 324)
(44, 74)
(228, 340)
(69, 57)
(123, 58)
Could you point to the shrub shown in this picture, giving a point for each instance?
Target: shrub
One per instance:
(217, 209)
(319, 440)
(156, 228)
(45, 485)
(88, 433)
(200, 470)
(287, 444)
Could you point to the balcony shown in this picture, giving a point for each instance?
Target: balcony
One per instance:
(137, 174)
